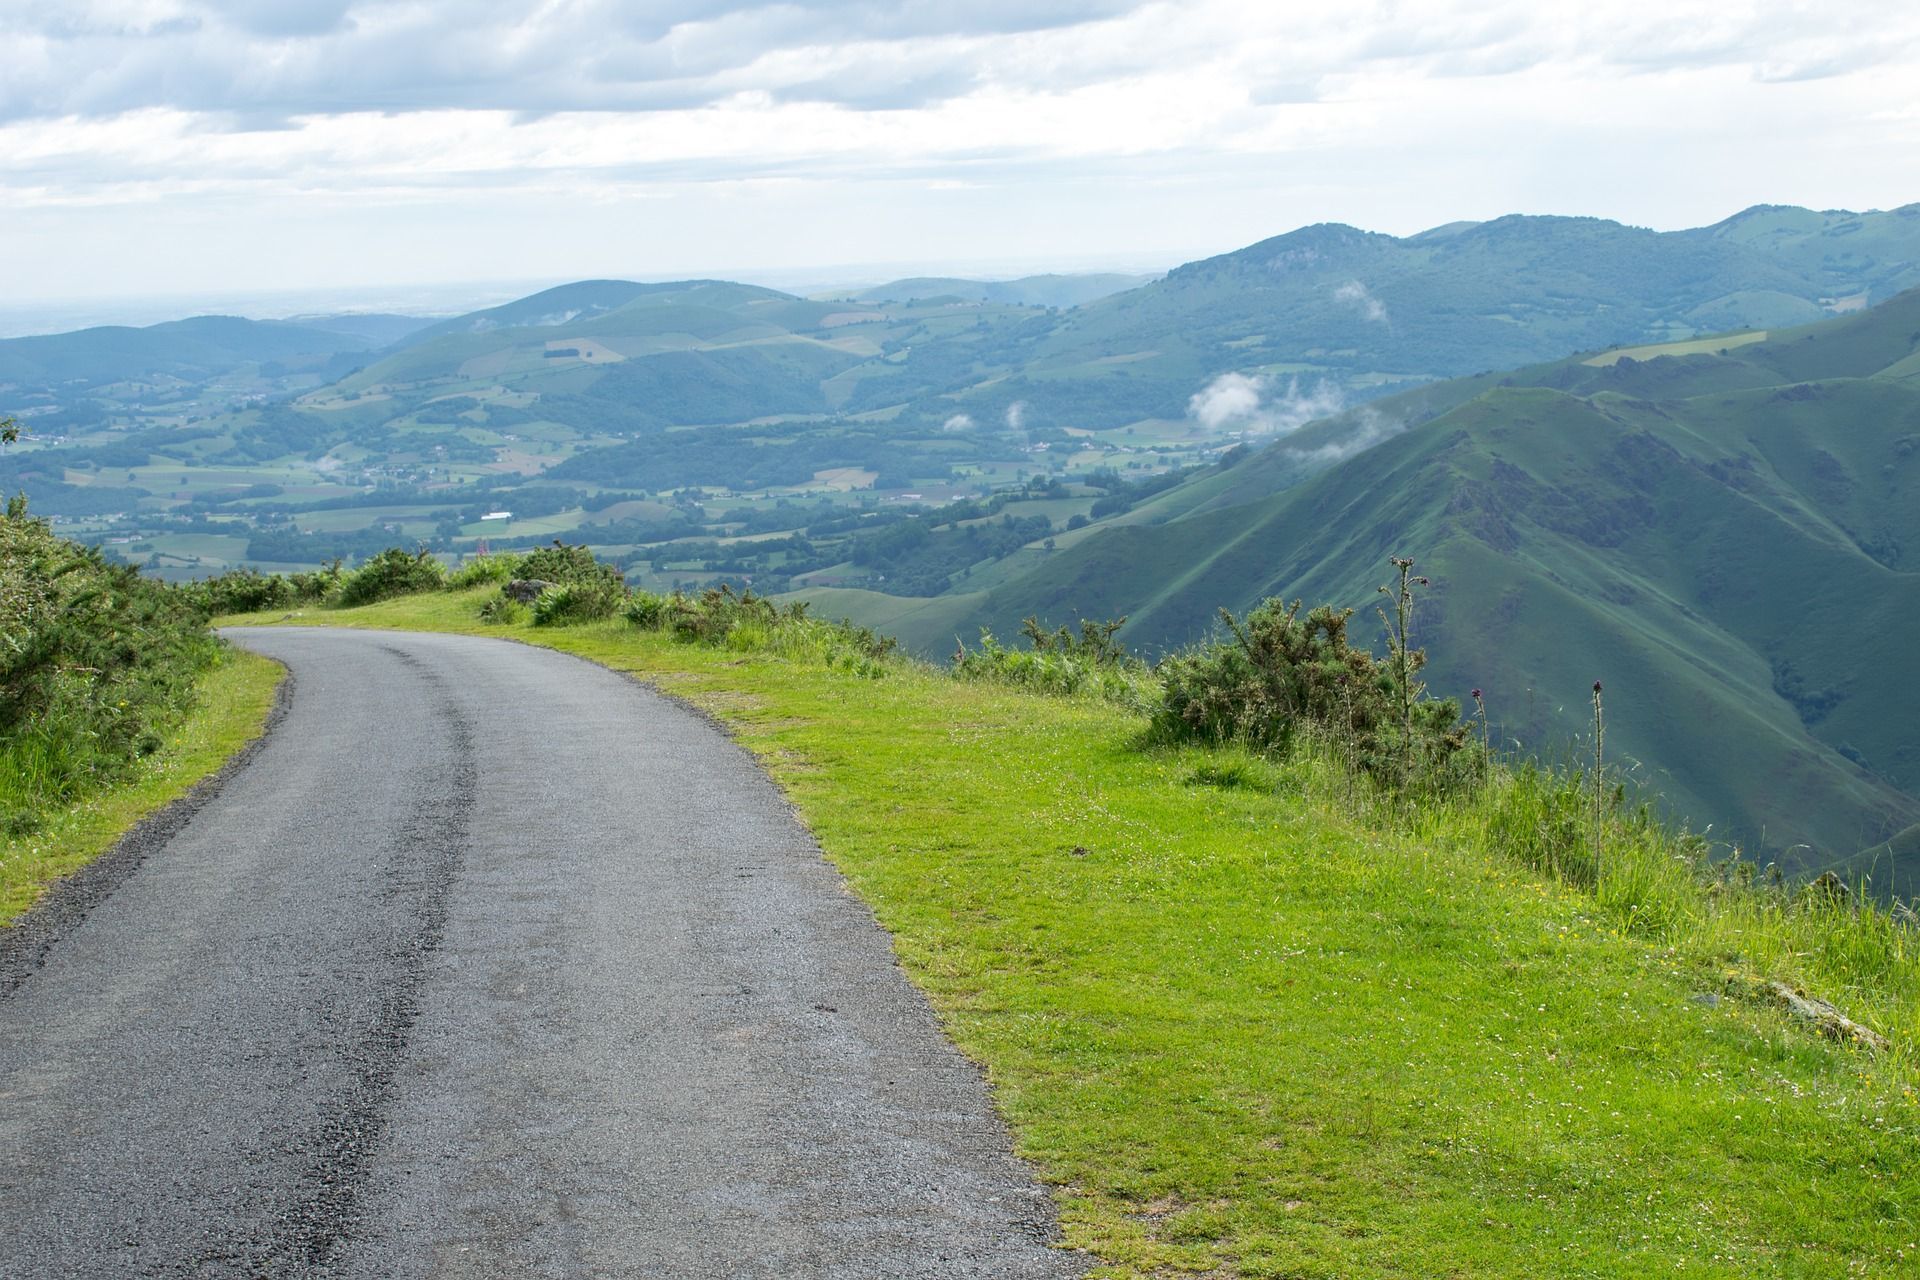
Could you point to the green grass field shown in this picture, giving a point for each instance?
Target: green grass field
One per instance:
(1243, 1028)
(234, 699)
(1698, 346)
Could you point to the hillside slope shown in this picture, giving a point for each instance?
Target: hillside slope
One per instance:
(1727, 540)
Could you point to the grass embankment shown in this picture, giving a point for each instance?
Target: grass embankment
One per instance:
(1245, 1027)
(114, 699)
(230, 706)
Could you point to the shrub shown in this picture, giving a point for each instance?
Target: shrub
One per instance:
(240, 591)
(578, 601)
(646, 610)
(483, 571)
(96, 663)
(1282, 674)
(564, 563)
(317, 585)
(392, 573)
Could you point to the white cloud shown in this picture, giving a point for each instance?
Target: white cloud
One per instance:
(1016, 415)
(958, 422)
(1230, 399)
(1262, 405)
(1370, 427)
(1063, 126)
(1362, 297)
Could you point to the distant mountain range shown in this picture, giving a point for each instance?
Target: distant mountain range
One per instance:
(1028, 291)
(190, 351)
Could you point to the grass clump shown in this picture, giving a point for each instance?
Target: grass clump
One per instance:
(1090, 663)
(96, 664)
(484, 571)
(391, 573)
(591, 600)
(746, 623)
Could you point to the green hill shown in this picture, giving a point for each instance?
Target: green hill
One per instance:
(1027, 291)
(1726, 540)
(1365, 311)
(187, 350)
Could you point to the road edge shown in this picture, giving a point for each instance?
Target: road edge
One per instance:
(32, 936)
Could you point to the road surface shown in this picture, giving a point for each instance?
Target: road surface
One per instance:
(489, 962)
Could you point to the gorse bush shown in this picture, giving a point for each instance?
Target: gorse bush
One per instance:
(584, 600)
(96, 663)
(1061, 661)
(483, 571)
(646, 610)
(392, 573)
(1281, 675)
(566, 563)
(250, 591)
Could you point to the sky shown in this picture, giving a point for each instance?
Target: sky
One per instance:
(289, 148)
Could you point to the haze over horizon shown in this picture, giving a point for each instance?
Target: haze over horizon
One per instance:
(228, 147)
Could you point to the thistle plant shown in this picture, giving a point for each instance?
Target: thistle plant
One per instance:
(1486, 736)
(1599, 767)
(1399, 628)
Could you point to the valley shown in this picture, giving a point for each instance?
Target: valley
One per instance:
(1702, 475)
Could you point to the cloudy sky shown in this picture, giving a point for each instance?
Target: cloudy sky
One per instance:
(187, 147)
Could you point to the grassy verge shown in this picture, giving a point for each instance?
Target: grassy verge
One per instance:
(1244, 1029)
(233, 700)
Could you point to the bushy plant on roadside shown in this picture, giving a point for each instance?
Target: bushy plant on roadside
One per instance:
(1062, 661)
(646, 610)
(95, 663)
(1280, 674)
(745, 622)
(503, 610)
(240, 591)
(568, 563)
(590, 600)
(392, 573)
(318, 585)
(483, 571)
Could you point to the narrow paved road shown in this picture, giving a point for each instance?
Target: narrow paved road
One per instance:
(491, 963)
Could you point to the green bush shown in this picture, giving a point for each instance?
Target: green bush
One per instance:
(578, 601)
(241, 591)
(564, 563)
(392, 573)
(484, 571)
(1282, 674)
(647, 610)
(96, 663)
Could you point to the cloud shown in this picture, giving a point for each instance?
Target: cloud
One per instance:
(958, 422)
(1229, 399)
(1362, 297)
(1370, 427)
(1016, 415)
(1261, 405)
(303, 57)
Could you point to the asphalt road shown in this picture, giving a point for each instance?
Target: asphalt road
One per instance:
(490, 962)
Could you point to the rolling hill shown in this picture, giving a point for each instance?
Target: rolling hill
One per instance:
(1027, 291)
